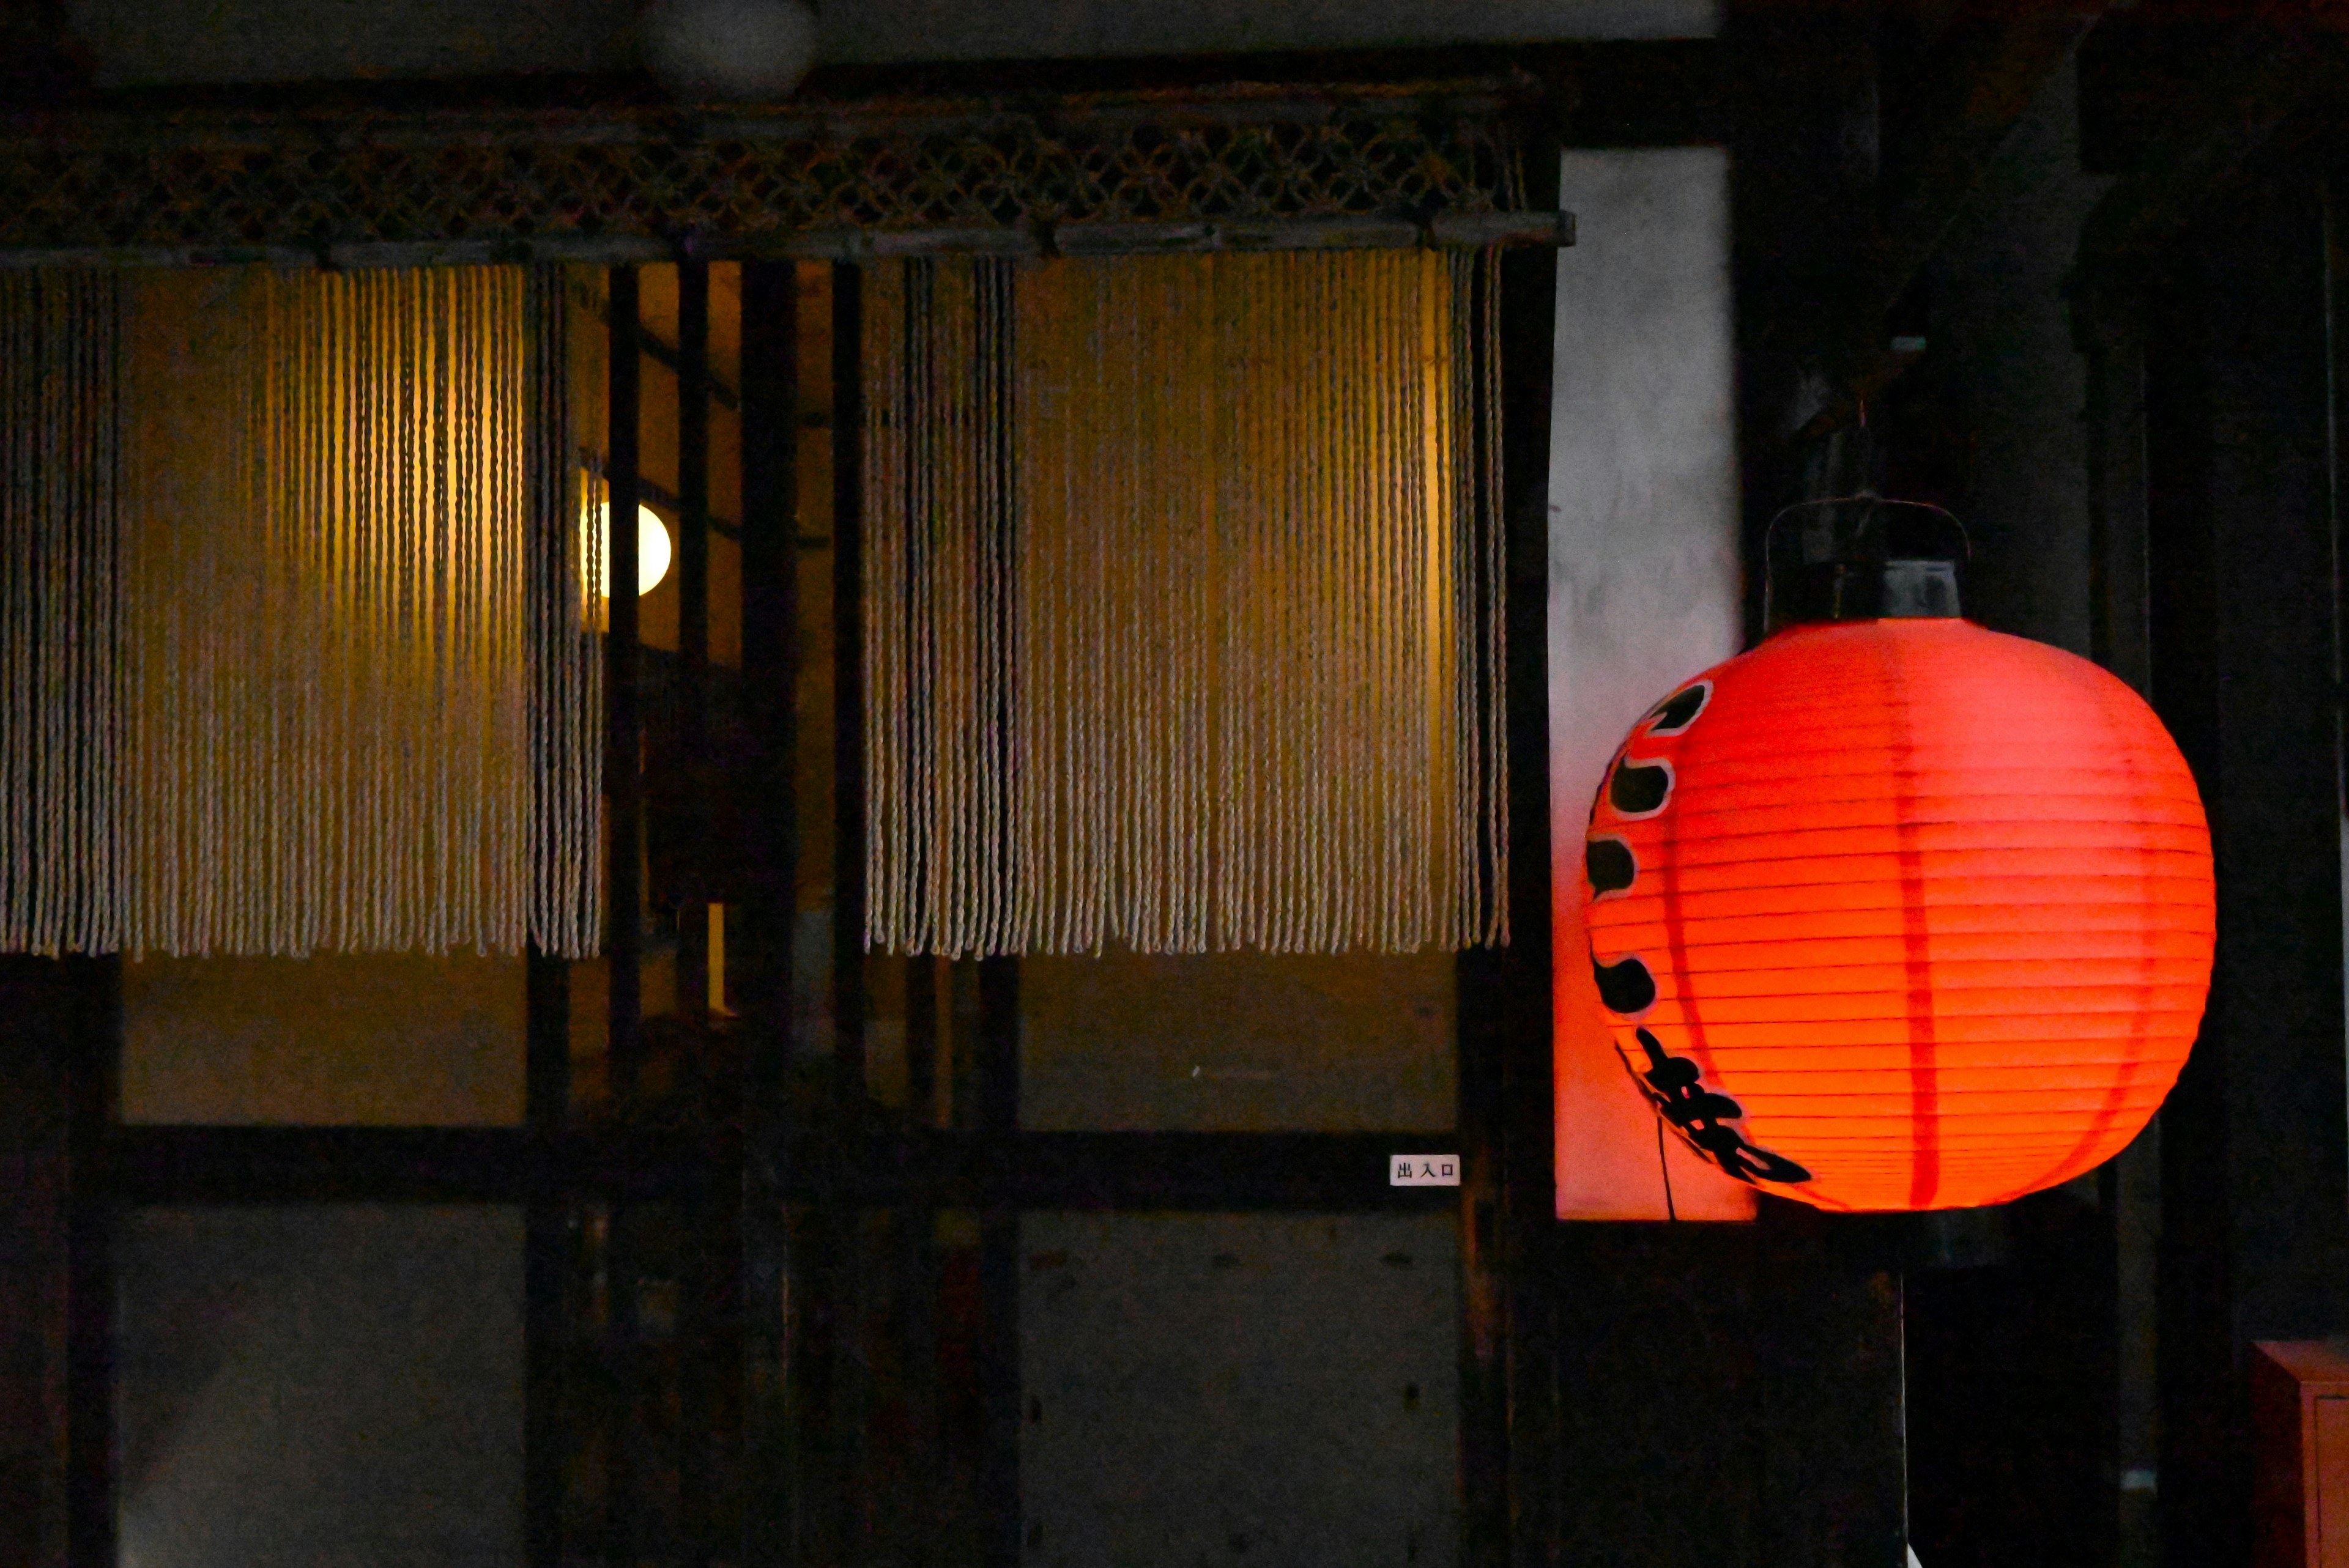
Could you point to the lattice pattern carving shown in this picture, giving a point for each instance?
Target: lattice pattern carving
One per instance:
(517, 184)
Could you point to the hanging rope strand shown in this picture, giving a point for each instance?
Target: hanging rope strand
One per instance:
(1187, 583)
(1194, 644)
(280, 673)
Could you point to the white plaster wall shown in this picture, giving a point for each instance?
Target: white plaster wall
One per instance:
(1645, 588)
(138, 42)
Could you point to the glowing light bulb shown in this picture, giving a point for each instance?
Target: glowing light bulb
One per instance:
(652, 551)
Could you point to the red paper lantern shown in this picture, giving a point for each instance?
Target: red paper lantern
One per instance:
(1901, 914)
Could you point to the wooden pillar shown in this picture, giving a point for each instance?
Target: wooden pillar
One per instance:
(93, 990)
(2254, 1149)
(691, 813)
(36, 1072)
(850, 1279)
(848, 672)
(1000, 1545)
(546, 1258)
(759, 950)
(2111, 329)
(623, 790)
(1825, 1318)
(624, 871)
(1507, 1195)
(919, 1503)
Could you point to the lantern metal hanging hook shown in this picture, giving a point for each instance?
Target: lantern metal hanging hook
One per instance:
(1863, 557)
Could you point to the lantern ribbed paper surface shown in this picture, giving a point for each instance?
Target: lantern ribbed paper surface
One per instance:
(1901, 914)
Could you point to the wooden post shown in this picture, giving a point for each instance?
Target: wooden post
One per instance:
(2254, 1149)
(624, 843)
(545, 1256)
(848, 672)
(759, 944)
(37, 1124)
(94, 992)
(1505, 1066)
(999, 1273)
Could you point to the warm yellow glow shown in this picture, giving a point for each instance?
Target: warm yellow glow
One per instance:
(1243, 587)
(652, 550)
(717, 1006)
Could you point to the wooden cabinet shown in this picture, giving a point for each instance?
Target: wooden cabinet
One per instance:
(2300, 1419)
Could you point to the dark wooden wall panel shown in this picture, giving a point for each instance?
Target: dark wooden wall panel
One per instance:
(2255, 1180)
(1730, 1396)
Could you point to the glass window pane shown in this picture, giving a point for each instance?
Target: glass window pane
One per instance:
(1239, 1388)
(306, 1385)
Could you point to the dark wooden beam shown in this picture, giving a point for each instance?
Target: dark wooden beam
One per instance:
(694, 823)
(2129, 1188)
(95, 1106)
(624, 882)
(839, 1407)
(922, 1039)
(1337, 1172)
(196, 1165)
(623, 792)
(1266, 1172)
(760, 944)
(693, 806)
(1804, 191)
(1647, 81)
(848, 992)
(2255, 1155)
(917, 1306)
(663, 353)
(1507, 1197)
(1650, 93)
(1828, 1411)
(36, 1072)
(546, 1258)
(1072, 1170)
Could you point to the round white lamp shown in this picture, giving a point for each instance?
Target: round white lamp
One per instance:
(652, 550)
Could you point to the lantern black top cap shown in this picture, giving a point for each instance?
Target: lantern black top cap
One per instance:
(1862, 558)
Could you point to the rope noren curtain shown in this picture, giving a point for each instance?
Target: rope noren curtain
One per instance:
(1183, 603)
(293, 615)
